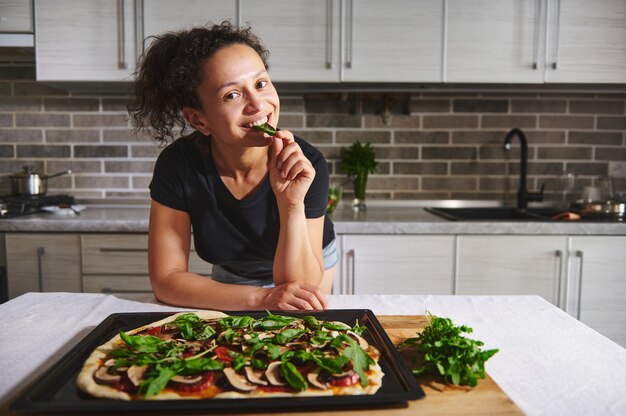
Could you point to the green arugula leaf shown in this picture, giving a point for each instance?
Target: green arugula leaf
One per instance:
(448, 354)
(358, 329)
(199, 365)
(157, 382)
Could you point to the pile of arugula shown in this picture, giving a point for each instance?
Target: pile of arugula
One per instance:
(448, 354)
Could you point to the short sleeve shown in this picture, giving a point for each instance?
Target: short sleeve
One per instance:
(166, 186)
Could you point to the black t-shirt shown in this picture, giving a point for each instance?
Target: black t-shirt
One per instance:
(239, 235)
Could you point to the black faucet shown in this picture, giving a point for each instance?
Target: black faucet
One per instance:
(523, 196)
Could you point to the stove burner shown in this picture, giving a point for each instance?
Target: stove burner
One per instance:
(21, 205)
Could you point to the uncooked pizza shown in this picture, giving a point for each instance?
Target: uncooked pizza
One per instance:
(208, 354)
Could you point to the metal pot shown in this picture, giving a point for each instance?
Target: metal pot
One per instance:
(601, 208)
(28, 182)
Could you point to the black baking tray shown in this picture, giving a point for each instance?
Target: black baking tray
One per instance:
(56, 392)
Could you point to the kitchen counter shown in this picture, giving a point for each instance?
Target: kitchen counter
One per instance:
(379, 218)
(548, 363)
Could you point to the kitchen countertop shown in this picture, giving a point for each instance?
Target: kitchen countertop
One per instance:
(548, 362)
(379, 218)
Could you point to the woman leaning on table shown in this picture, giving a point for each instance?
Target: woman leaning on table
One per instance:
(255, 203)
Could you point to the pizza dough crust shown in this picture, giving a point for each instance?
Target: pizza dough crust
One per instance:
(86, 382)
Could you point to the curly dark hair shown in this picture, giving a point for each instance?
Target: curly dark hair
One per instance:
(170, 72)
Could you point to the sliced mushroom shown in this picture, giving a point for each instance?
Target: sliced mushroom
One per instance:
(103, 376)
(135, 373)
(237, 381)
(254, 377)
(265, 335)
(186, 379)
(334, 334)
(273, 374)
(362, 343)
(313, 379)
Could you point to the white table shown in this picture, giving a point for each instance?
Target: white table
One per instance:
(549, 363)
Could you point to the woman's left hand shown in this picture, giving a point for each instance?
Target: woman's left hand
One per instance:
(291, 173)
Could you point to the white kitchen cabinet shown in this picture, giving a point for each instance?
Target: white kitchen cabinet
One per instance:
(302, 37)
(78, 40)
(16, 16)
(395, 264)
(160, 16)
(43, 263)
(397, 41)
(353, 41)
(597, 284)
(118, 263)
(586, 41)
(511, 265)
(536, 41)
(495, 41)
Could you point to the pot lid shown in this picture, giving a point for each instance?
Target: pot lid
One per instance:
(27, 171)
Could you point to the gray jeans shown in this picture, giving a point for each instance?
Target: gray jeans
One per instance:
(219, 274)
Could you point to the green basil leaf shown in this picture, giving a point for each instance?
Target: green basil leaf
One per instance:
(312, 322)
(287, 335)
(292, 376)
(142, 343)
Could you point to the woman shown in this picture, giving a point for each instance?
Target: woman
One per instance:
(255, 202)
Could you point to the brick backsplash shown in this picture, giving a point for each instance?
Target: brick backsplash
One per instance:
(430, 145)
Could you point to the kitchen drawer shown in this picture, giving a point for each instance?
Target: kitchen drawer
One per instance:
(125, 254)
(116, 284)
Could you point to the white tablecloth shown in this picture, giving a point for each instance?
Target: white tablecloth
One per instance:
(548, 364)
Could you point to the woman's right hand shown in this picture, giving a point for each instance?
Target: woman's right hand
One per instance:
(294, 296)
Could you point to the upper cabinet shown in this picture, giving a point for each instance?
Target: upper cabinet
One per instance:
(348, 40)
(412, 41)
(398, 41)
(586, 41)
(302, 37)
(536, 41)
(160, 16)
(494, 41)
(80, 40)
(16, 16)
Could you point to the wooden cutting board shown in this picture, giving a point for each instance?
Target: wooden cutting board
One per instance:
(441, 399)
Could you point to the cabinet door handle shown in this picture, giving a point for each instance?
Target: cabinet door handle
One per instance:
(121, 36)
(559, 270)
(139, 29)
(579, 255)
(329, 34)
(557, 35)
(122, 250)
(349, 275)
(349, 34)
(40, 253)
(537, 34)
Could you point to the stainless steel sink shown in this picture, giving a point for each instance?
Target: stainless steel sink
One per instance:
(495, 214)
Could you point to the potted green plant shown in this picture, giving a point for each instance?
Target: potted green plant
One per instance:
(358, 161)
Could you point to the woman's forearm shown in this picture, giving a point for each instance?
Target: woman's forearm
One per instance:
(296, 260)
(194, 291)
